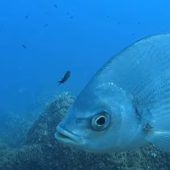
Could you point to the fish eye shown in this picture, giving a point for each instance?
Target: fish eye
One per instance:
(100, 121)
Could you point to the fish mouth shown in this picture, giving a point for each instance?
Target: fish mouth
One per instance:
(67, 137)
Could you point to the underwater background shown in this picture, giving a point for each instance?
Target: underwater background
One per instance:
(39, 41)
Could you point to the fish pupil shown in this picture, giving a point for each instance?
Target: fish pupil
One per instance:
(100, 121)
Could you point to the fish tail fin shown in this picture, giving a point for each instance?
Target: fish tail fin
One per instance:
(59, 82)
(159, 135)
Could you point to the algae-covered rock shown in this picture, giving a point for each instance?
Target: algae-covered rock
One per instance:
(43, 152)
(45, 126)
(6, 156)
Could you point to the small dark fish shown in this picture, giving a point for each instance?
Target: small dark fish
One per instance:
(64, 79)
(24, 46)
(55, 6)
(138, 23)
(71, 17)
(68, 13)
(26, 16)
(118, 23)
(107, 16)
(45, 25)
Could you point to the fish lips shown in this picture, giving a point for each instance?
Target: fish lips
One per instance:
(68, 138)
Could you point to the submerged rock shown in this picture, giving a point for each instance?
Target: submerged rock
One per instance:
(42, 151)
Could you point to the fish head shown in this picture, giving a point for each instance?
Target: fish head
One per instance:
(100, 120)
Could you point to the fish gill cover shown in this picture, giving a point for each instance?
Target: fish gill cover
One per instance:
(39, 42)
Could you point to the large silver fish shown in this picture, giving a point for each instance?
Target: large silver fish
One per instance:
(126, 104)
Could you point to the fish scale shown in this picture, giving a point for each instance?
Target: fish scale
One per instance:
(137, 69)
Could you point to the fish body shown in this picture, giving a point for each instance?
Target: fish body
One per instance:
(126, 104)
(64, 79)
(55, 6)
(24, 46)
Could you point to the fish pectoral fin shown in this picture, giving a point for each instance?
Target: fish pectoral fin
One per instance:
(161, 139)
